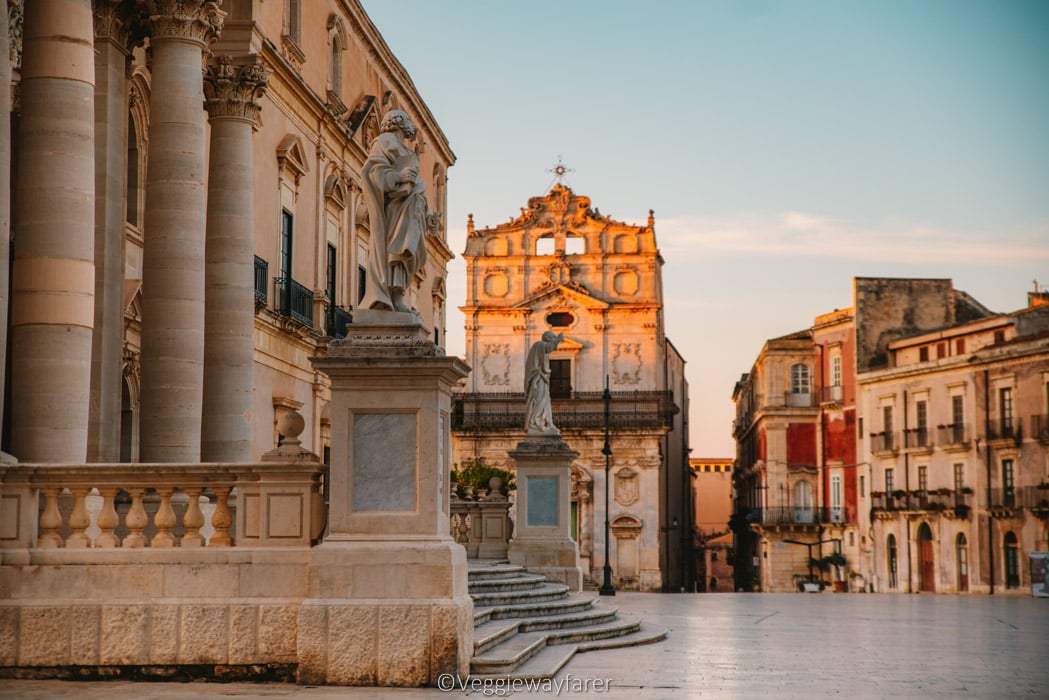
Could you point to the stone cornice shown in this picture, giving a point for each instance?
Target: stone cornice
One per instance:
(120, 22)
(234, 90)
(198, 21)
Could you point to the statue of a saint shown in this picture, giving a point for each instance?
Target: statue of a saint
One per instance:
(539, 420)
(397, 210)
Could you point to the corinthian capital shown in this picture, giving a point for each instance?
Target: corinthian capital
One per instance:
(233, 90)
(199, 21)
(122, 22)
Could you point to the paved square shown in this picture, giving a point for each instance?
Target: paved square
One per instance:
(789, 645)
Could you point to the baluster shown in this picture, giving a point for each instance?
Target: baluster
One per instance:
(221, 519)
(193, 520)
(108, 520)
(50, 521)
(164, 520)
(79, 520)
(136, 520)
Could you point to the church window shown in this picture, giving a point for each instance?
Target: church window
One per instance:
(560, 379)
(560, 319)
(545, 246)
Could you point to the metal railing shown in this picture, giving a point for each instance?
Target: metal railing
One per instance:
(296, 300)
(261, 277)
(955, 434)
(337, 321)
(917, 438)
(1000, 430)
(793, 515)
(884, 442)
(794, 399)
(582, 409)
(934, 500)
(1040, 428)
(832, 394)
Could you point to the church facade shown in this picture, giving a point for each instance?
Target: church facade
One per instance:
(562, 266)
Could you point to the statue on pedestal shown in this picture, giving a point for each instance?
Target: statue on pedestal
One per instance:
(397, 210)
(539, 419)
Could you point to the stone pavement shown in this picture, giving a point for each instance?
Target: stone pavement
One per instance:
(740, 645)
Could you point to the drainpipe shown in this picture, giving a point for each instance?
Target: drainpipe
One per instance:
(987, 459)
(907, 485)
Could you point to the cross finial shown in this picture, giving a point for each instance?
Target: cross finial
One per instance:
(559, 170)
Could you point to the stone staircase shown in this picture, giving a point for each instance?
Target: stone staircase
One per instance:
(527, 627)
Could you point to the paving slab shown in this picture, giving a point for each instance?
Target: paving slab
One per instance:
(740, 645)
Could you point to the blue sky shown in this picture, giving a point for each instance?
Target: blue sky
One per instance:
(785, 147)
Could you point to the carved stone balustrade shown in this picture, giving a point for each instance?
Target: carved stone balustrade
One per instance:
(483, 527)
(157, 506)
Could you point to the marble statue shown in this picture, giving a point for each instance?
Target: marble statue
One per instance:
(539, 419)
(396, 200)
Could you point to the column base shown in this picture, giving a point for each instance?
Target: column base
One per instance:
(557, 560)
(385, 613)
(7, 459)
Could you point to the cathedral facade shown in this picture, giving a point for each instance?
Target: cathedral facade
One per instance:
(562, 266)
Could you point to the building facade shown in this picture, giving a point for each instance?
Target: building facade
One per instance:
(892, 433)
(711, 508)
(563, 266)
(220, 234)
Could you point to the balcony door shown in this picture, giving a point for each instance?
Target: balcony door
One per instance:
(962, 547)
(802, 502)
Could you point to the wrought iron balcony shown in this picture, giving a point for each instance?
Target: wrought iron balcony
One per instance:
(1040, 428)
(792, 515)
(582, 409)
(953, 435)
(337, 321)
(884, 442)
(795, 399)
(932, 500)
(261, 277)
(917, 438)
(832, 394)
(296, 300)
(1005, 430)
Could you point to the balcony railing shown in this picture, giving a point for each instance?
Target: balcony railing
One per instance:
(296, 301)
(934, 500)
(261, 277)
(582, 409)
(1006, 497)
(1040, 428)
(337, 321)
(917, 438)
(1000, 430)
(791, 515)
(832, 394)
(884, 442)
(954, 435)
(796, 399)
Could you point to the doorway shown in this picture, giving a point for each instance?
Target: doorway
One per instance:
(962, 548)
(926, 563)
(1012, 561)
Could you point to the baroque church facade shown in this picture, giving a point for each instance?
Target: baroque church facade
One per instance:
(562, 266)
(183, 241)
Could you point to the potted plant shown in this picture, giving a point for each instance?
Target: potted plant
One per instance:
(475, 475)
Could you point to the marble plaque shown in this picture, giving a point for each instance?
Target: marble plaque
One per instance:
(542, 501)
(384, 462)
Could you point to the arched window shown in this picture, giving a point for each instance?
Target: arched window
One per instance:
(926, 560)
(338, 43)
(545, 245)
(291, 19)
(575, 244)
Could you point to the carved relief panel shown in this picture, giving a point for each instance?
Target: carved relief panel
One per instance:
(495, 364)
(626, 363)
(627, 489)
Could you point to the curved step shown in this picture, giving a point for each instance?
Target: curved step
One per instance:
(560, 606)
(590, 633)
(509, 655)
(487, 571)
(642, 636)
(517, 582)
(541, 593)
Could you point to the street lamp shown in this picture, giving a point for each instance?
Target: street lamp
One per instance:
(606, 587)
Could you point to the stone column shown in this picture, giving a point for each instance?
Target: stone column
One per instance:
(388, 578)
(116, 31)
(53, 276)
(233, 92)
(542, 542)
(173, 259)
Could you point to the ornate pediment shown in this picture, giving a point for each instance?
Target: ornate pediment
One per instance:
(292, 156)
(554, 295)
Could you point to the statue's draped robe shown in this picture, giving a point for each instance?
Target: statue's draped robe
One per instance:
(397, 214)
(538, 414)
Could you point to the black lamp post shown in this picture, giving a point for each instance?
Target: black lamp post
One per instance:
(606, 587)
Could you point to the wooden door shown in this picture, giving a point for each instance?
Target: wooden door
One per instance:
(927, 566)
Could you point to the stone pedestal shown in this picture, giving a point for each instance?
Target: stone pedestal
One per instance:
(388, 599)
(542, 541)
